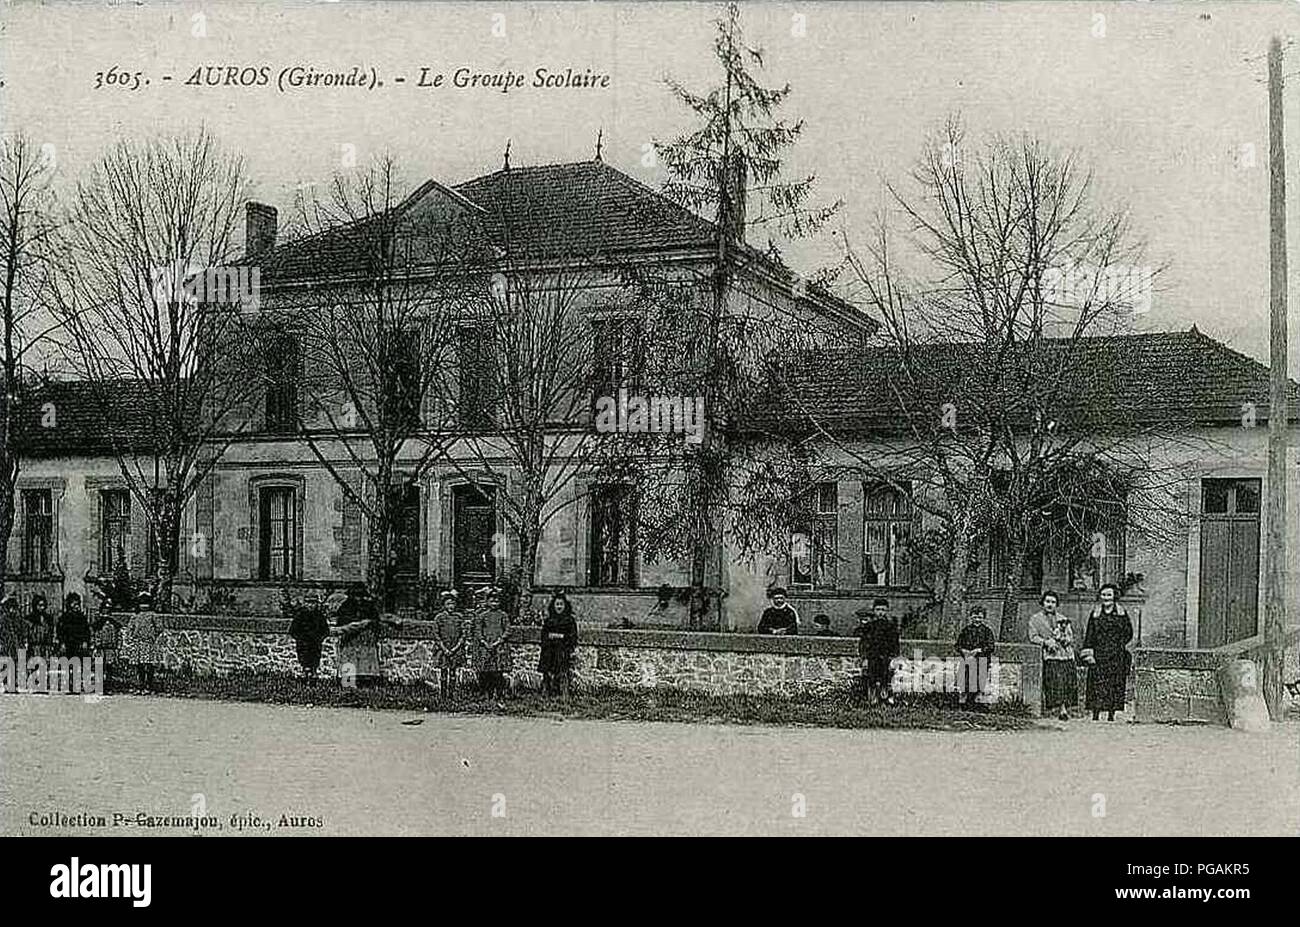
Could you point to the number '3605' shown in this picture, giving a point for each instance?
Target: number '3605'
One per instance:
(128, 80)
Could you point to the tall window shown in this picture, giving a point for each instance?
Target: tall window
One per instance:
(114, 528)
(814, 542)
(1098, 557)
(278, 526)
(887, 521)
(476, 362)
(612, 560)
(283, 363)
(407, 359)
(618, 352)
(38, 532)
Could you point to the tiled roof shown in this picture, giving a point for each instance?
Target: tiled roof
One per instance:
(79, 425)
(1174, 378)
(580, 210)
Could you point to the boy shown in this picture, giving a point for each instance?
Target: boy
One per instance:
(877, 645)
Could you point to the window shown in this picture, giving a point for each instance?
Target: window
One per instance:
(612, 560)
(38, 532)
(278, 530)
(283, 363)
(476, 361)
(1230, 497)
(403, 370)
(618, 355)
(1099, 556)
(114, 528)
(814, 543)
(887, 521)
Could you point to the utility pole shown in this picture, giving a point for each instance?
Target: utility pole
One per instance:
(1275, 554)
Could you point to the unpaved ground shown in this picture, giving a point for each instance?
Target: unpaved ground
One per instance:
(365, 772)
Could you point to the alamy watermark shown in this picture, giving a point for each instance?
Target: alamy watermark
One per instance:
(66, 675)
(634, 414)
(1085, 285)
(962, 675)
(214, 286)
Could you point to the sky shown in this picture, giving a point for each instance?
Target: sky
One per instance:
(1166, 102)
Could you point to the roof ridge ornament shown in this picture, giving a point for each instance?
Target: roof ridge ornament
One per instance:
(506, 166)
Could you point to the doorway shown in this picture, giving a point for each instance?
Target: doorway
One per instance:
(1229, 586)
(474, 525)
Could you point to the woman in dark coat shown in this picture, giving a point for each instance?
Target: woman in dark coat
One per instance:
(1105, 650)
(559, 640)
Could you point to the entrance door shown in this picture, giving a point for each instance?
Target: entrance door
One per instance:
(1229, 562)
(474, 523)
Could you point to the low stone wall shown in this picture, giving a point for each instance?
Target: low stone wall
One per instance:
(1177, 685)
(714, 663)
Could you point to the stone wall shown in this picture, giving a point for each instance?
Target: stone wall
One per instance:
(714, 663)
(1177, 685)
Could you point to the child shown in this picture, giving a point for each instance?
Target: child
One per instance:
(822, 626)
(73, 627)
(449, 636)
(559, 640)
(877, 646)
(142, 634)
(491, 625)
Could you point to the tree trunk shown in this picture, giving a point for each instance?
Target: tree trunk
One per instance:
(529, 539)
(954, 593)
(167, 538)
(7, 505)
(1010, 629)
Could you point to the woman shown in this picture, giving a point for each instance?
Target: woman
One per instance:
(1105, 650)
(449, 638)
(141, 641)
(1054, 632)
(73, 627)
(490, 628)
(15, 633)
(559, 640)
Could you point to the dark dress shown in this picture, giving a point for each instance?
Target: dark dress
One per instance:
(1107, 636)
(449, 631)
(878, 644)
(559, 640)
(74, 632)
(784, 619)
(977, 639)
(309, 629)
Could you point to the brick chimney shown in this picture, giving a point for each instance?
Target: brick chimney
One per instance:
(259, 230)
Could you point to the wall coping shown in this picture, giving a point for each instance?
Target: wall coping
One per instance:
(634, 638)
(1163, 658)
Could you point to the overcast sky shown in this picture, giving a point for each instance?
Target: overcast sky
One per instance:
(1163, 100)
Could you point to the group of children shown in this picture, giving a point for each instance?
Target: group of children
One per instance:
(477, 636)
(132, 641)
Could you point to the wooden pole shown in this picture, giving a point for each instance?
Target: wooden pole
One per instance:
(1275, 546)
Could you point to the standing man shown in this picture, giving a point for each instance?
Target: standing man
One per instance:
(779, 617)
(878, 645)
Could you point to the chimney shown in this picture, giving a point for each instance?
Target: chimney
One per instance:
(259, 229)
(737, 180)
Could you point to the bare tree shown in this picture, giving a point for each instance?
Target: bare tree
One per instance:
(527, 356)
(146, 291)
(26, 210)
(377, 339)
(1000, 363)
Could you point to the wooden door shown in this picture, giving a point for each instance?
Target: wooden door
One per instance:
(1229, 586)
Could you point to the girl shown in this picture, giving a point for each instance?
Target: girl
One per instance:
(74, 627)
(141, 641)
(1105, 650)
(559, 640)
